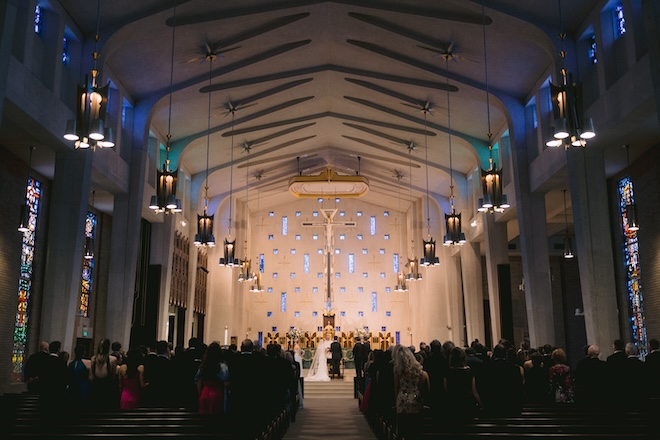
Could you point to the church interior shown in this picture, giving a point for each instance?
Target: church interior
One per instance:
(405, 170)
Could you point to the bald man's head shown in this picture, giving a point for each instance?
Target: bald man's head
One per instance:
(593, 351)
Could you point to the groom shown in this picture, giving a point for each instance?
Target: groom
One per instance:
(335, 349)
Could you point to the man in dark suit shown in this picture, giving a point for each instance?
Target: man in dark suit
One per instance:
(653, 368)
(158, 376)
(335, 349)
(615, 366)
(53, 380)
(502, 385)
(591, 379)
(34, 367)
(359, 357)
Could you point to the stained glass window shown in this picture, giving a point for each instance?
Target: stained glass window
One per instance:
(360, 314)
(261, 263)
(342, 313)
(315, 237)
(297, 289)
(283, 302)
(337, 274)
(395, 262)
(297, 236)
(275, 274)
(337, 251)
(388, 314)
(297, 213)
(364, 252)
(65, 51)
(342, 213)
(381, 251)
(276, 251)
(306, 263)
(359, 213)
(374, 301)
(342, 289)
(269, 314)
(387, 289)
(315, 314)
(619, 20)
(382, 274)
(315, 214)
(397, 337)
(292, 275)
(360, 289)
(337, 200)
(292, 252)
(351, 263)
(359, 236)
(32, 201)
(383, 329)
(270, 290)
(88, 268)
(319, 275)
(372, 225)
(593, 53)
(633, 270)
(296, 314)
(342, 236)
(319, 251)
(38, 23)
(365, 275)
(386, 213)
(285, 225)
(271, 237)
(386, 237)
(315, 289)
(271, 214)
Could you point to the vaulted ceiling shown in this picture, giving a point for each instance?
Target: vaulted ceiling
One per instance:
(328, 82)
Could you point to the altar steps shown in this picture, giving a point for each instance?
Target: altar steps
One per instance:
(335, 389)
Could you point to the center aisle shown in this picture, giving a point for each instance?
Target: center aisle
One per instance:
(330, 412)
(337, 418)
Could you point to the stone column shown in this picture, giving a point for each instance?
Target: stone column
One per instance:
(473, 294)
(8, 10)
(533, 234)
(126, 218)
(594, 245)
(497, 252)
(651, 10)
(64, 255)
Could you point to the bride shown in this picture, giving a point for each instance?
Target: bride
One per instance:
(318, 371)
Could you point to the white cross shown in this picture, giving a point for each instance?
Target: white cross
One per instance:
(329, 223)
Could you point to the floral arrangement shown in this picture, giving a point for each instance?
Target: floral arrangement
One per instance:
(362, 333)
(295, 334)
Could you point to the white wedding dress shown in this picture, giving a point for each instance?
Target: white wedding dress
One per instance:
(318, 371)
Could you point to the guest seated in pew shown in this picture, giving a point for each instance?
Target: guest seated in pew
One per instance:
(591, 379)
(411, 386)
(463, 401)
(561, 380)
(212, 379)
(501, 387)
(131, 380)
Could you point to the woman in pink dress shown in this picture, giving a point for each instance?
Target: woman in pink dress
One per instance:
(131, 377)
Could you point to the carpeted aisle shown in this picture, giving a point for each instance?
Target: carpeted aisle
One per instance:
(337, 418)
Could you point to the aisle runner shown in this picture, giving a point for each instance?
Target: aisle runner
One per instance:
(337, 418)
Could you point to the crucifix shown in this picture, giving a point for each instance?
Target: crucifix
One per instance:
(329, 224)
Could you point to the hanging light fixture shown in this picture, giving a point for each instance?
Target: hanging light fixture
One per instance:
(429, 259)
(24, 222)
(401, 285)
(246, 268)
(491, 179)
(631, 209)
(257, 286)
(413, 266)
(571, 128)
(568, 243)
(89, 240)
(454, 235)
(229, 259)
(204, 236)
(165, 199)
(88, 128)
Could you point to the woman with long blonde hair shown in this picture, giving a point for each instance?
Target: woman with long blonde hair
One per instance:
(411, 386)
